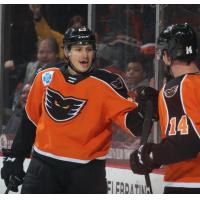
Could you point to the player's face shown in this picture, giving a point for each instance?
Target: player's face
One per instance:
(81, 56)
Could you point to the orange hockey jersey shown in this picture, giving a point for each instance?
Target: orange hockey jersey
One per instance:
(73, 114)
(179, 107)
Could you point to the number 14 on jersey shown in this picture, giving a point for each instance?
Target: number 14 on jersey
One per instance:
(181, 125)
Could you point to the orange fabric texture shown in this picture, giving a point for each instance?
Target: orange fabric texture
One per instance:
(186, 171)
(85, 136)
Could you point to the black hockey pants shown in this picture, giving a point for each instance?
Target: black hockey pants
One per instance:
(176, 190)
(42, 178)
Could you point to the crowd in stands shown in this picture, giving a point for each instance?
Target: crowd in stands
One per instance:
(122, 33)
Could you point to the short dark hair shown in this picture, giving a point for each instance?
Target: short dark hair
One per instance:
(140, 59)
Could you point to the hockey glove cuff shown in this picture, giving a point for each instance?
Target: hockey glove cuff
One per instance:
(140, 160)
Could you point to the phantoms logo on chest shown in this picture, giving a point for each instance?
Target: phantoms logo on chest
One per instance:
(61, 108)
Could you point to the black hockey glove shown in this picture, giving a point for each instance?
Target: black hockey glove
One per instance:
(140, 161)
(143, 94)
(12, 171)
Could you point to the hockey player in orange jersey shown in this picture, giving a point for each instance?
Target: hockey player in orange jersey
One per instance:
(68, 119)
(179, 111)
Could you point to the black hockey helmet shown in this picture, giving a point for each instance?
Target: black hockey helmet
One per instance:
(79, 35)
(178, 40)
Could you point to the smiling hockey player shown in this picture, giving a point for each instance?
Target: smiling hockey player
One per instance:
(68, 119)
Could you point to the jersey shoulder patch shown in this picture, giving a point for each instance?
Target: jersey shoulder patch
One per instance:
(47, 75)
(113, 80)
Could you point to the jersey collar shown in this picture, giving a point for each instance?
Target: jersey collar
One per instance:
(73, 79)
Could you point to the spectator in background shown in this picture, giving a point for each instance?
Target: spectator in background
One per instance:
(136, 74)
(43, 30)
(47, 54)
